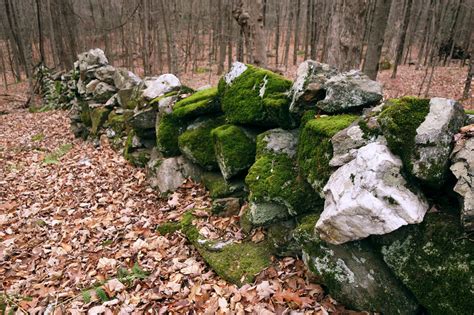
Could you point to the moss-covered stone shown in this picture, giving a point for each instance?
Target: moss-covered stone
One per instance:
(118, 122)
(196, 142)
(234, 148)
(168, 129)
(168, 228)
(257, 97)
(85, 113)
(98, 118)
(200, 103)
(353, 273)
(399, 121)
(131, 98)
(220, 188)
(435, 260)
(136, 156)
(315, 148)
(273, 180)
(237, 263)
(469, 111)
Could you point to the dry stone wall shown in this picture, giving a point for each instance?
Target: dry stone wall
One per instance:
(367, 191)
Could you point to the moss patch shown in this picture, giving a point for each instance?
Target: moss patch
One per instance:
(117, 122)
(399, 121)
(234, 148)
(220, 188)
(274, 178)
(257, 97)
(167, 132)
(315, 148)
(469, 111)
(56, 155)
(85, 113)
(168, 228)
(196, 142)
(237, 263)
(200, 103)
(98, 118)
(435, 260)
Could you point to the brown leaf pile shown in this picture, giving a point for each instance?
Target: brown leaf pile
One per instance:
(72, 227)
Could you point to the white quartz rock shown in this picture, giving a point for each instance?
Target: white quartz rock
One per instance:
(368, 196)
(158, 86)
(237, 69)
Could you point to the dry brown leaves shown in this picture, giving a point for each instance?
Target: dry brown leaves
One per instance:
(70, 227)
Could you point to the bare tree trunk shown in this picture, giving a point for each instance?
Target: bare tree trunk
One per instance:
(40, 31)
(277, 33)
(468, 83)
(401, 39)
(297, 31)
(376, 38)
(346, 34)
(222, 39)
(288, 35)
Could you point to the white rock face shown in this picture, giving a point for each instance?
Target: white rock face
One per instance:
(93, 57)
(368, 196)
(237, 69)
(158, 86)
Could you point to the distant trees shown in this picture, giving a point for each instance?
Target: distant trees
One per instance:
(154, 36)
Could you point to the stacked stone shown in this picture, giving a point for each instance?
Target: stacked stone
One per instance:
(349, 178)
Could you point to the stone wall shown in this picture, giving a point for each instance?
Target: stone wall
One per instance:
(377, 196)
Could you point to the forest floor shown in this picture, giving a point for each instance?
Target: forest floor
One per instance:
(78, 233)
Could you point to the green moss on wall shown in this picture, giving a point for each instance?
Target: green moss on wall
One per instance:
(315, 148)
(200, 103)
(219, 188)
(257, 97)
(234, 148)
(98, 118)
(399, 121)
(167, 132)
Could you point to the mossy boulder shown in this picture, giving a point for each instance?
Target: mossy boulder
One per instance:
(353, 273)
(131, 98)
(196, 142)
(118, 121)
(218, 187)
(98, 117)
(200, 103)
(235, 149)
(315, 148)
(134, 152)
(168, 129)
(276, 189)
(237, 263)
(435, 260)
(256, 97)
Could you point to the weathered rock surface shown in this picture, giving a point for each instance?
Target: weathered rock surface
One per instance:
(463, 169)
(93, 57)
(279, 141)
(124, 79)
(103, 92)
(354, 273)
(106, 74)
(368, 196)
(434, 140)
(160, 85)
(144, 119)
(226, 207)
(236, 70)
(345, 144)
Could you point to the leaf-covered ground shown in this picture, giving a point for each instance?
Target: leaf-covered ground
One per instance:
(78, 234)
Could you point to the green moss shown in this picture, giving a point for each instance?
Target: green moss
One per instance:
(37, 137)
(137, 157)
(118, 122)
(56, 155)
(131, 98)
(234, 148)
(196, 142)
(167, 132)
(242, 103)
(435, 260)
(220, 188)
(315, 148)
(156, 100)
(98, 118)
(469, 111)
(168, 228)
(200, 103)
(85, 114)
(274, 178)
(399, 121)
(237, 263)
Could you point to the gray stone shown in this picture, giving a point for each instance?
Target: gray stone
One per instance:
(434, 140)
(308, 88)
(168, 174)
(280, 141)
(144, 119)
(91, 58)
(113, 101)
(469, 119)
(124, 79)
(345, 144)
(226, 207)
(158, 86)
(103, 92)
(462, 167)
(348, 91)
(262, 213)
(90, 87)
(106, 74)
(368, 196)
(356, 276)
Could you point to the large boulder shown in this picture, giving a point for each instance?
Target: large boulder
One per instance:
(92, 58)
(161, 85)
(235, 149)
(368, 196)
(322, 86)
(196, 142)
(354, 273)
(462, 167)
(435, 260)
(434, 140)
(276, 189)
(255, 96)
(315, 148)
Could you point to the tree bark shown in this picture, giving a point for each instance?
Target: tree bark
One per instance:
(376, 38)
(401, 39)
